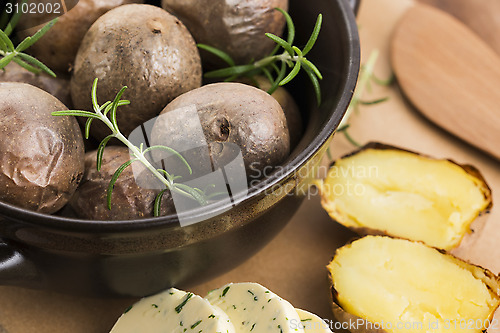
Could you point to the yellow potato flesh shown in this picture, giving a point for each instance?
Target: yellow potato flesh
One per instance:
(409, 287)
(405, 195)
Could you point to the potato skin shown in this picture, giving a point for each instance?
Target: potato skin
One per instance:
(57, 87)
(142, 47)
(41, 155)
(128, 201)
(236, 27)
(231, 113)
(58, 48)
(291, 109)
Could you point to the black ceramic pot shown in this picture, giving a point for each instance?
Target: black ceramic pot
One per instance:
(141, 257)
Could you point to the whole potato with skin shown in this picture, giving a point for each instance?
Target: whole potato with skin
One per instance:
(233, 113)
(57, 87)
(235, 27)
(58, 48)
(41, 156)
(142, 47)
(128, 201)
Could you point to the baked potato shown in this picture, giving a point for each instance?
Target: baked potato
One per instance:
(235, 27)
(382, 284)
(381, 189)
(142, 47)
(41, 156)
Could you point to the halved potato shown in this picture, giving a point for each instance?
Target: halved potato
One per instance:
(395, 285)
(386, 190)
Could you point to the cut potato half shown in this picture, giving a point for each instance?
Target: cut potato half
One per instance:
(386, 190)
(397, 285)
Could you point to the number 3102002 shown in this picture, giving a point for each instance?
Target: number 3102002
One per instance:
(34, 8)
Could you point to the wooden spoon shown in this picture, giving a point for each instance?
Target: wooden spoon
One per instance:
(450, 75)
(481, 16)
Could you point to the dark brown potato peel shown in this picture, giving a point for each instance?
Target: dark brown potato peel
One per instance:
(41, 155)
(237, 29)
(144, 48)
(129, 201)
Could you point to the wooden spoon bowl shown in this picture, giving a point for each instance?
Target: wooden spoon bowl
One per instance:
(450, 75)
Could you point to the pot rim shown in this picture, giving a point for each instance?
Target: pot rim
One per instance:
(351, 62)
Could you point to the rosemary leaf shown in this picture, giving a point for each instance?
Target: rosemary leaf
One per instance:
(87, 128)
(281, 42)
(219, 53)
(40, 33)
(6, 40)
(156, 208)
(229, 71)
(350, 139)
(3, 46)
(343, 128)
(6, 60)
(172, 151)
(290, 26)
(93, 94)
(377, 101)
(313, 68)
(281, 72)
(117, 174)
(29, 41)
(315, 83)
(314, 35)
(14, 20)
(114, 107)
(193, 192)
(27, 66)
(77, 113)
(100, 150)
(37, 63)
(292, 74)
(24, 44)
(268, 74)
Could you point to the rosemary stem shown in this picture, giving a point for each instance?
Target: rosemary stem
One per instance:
(140, 156)
(271, 59)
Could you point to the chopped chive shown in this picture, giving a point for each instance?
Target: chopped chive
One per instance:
(179, 307)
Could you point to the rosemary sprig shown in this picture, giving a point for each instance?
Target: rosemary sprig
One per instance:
(9, 52)
(365, 78)
(107, 114)
(279, 68)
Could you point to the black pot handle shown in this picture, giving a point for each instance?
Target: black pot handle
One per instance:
(354, 5)
(15, 269)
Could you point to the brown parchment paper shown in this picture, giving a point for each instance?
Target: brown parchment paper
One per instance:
(293, 264)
